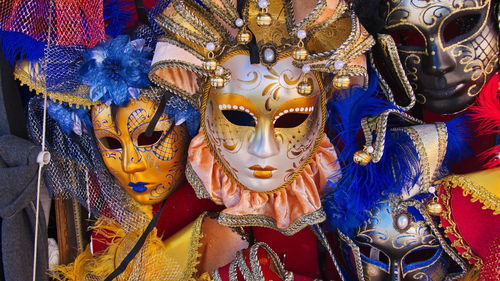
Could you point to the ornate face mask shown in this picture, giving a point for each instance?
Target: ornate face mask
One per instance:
(259, 126)
(449, 49)
(396, 244)
(149, 168)
(254, 72)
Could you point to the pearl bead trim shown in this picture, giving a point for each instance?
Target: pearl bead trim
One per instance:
(293, 110)
(239, 108)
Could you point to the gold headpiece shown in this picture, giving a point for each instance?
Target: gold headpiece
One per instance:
(323, 36)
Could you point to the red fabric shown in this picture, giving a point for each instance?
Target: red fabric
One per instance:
(491, 264)
(477, 227)
(480, 141)
(265, 263)
(300, 251)
(182, 208)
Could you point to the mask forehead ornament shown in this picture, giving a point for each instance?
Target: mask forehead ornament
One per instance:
(255, 72)
(449, 49)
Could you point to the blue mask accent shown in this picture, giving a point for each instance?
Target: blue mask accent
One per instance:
(138, 187)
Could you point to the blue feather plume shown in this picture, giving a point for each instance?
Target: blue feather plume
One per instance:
(117, 15)
(348, 201)
(16, 46)
(69, 119)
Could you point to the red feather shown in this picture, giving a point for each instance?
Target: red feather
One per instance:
(486, 114)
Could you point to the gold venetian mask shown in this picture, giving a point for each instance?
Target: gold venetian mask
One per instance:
(258, 126)
(149, 168)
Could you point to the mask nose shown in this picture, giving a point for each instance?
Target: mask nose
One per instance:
(438, 61)
(263, 143)
(132, 161)
(396, 271)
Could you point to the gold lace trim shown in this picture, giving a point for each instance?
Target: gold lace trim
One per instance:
(268, 222)
(37, 86)
(478, 192)
(451, 229)
(194, 254)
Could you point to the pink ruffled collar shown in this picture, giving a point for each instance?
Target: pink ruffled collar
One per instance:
(287, 210)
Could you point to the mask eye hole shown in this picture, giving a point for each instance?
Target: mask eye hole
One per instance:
(110, 142)
(239, 118)
(374, 254)
(144, 140)
(408, 38)
(460, 28)
(290, 120)
(422, 255)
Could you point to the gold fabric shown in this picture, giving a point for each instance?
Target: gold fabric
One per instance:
(174, 259)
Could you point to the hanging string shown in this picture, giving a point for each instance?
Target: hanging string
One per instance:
(43, 156)
(87, 188)
(42, 159)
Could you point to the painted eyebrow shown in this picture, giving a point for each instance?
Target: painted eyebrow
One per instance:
(304, 101)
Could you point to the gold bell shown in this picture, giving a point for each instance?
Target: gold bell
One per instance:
(434, 208)
(300, 54)
(244, 37)
(362, 158)
(264, 20)
(217, 82)
(304, 88)
(209, 65)
(341, 82)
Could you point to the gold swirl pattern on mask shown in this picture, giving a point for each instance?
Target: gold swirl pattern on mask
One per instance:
(412, 71)
(215, 144)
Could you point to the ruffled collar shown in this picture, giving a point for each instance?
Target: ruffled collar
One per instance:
(287, 210)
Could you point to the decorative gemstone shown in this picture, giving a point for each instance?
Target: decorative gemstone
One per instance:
(338, 64)
(432, 189)
(301, 34)
(403, 221)
(219, 70)
(263, 4)
(269, 55)
(369, 149)
(306, 68)
(361, 158)
(264, 20)
(210, 46)
(239, 22)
